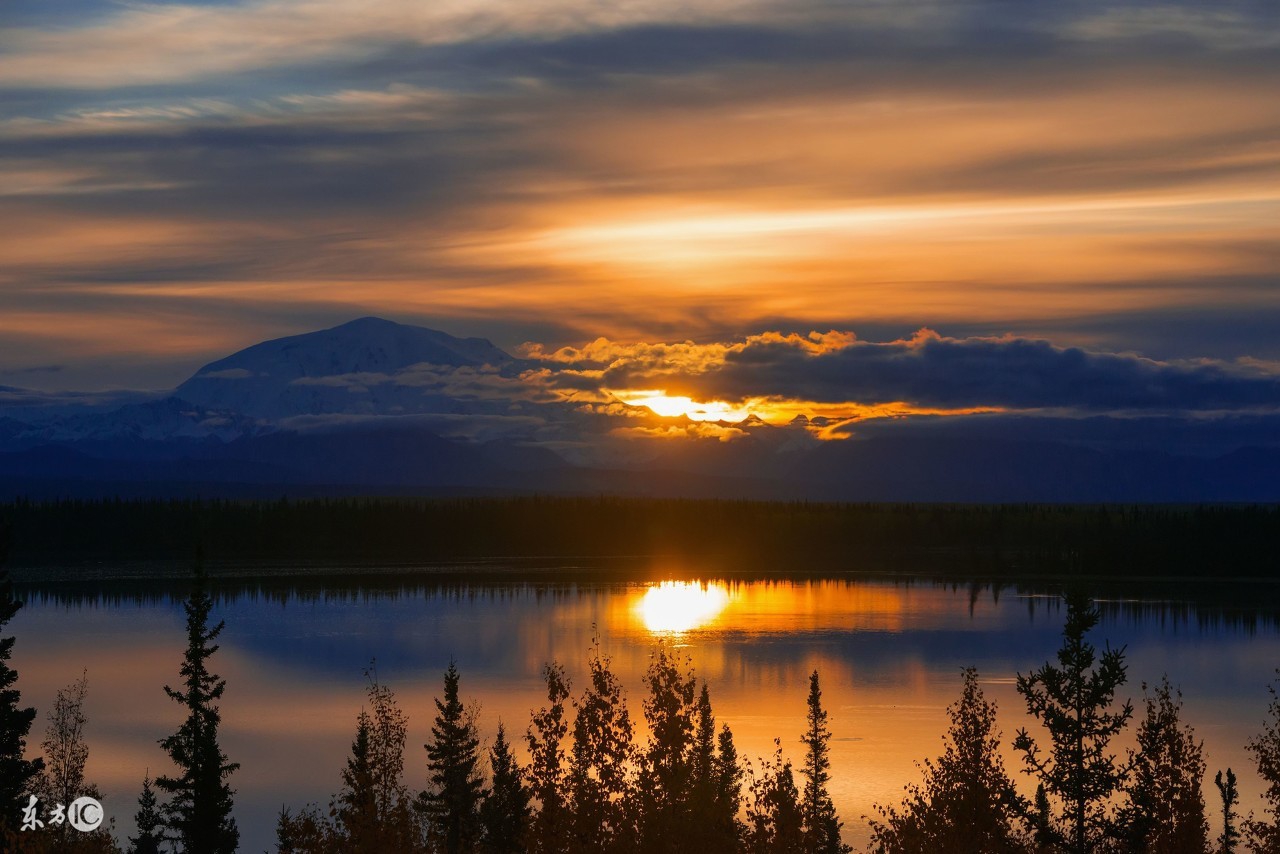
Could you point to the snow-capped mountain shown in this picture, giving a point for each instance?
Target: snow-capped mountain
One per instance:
(374, 406)
(369, 366)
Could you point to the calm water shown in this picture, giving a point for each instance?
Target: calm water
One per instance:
(889, 653)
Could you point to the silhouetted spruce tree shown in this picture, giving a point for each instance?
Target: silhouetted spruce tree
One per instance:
(729, 829)
(1073, 701)
(666, 766)
(600, 786)
(821, 824)
(1165, 809)
(966, 804)
(1044, 836)
(1230, 836)
(714, 806)
(452, 801)
(17, 774)
(373, 812)
(355, 809)
(549, 827)
(774, 821)
(504, 813)
(1263, 835)
(149, 821)
(199, 810)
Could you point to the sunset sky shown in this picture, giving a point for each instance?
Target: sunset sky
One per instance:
(180, 180)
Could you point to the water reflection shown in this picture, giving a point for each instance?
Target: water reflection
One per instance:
(889, 650)
(674, 607)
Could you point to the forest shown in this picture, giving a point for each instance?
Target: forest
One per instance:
(723, 536)
(588, 782)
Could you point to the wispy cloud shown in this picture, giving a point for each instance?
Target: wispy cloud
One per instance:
(654, 170)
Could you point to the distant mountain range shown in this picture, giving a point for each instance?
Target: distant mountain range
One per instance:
(377, 407)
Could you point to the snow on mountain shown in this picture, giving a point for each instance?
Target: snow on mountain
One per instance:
(369, 366)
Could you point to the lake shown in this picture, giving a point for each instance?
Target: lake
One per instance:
(889, 651)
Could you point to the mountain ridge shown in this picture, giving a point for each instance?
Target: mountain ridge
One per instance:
(373, 406)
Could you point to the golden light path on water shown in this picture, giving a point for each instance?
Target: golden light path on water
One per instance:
(681, 606)
(889, 653)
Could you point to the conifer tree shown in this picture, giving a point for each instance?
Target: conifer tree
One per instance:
(16, 772)
(373, 812)
(355, 810)
(199, 810)
(1165, 809)
(149, 822)
(1073, 700)
(821, 825)
(774, 821)
(666, 767)
(599, 765)
(1263, 835)
(452, 802)
(549, 827)
(967, 803)
(728, 792)
(716, 789)
(704, 749)
(1230, 836)
(504, 813)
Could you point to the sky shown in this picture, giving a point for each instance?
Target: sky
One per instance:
(989, 184)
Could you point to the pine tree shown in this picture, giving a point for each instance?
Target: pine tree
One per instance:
(1264, 836)
(373, 812)
(1165, 809)
(452, 802)
(599, 777)
(728, 793)
(821, 825)
(666, 767)
(356, 807)
(1230, 836)
(716, 788)
(199, 809)
(17, 773)
(504, 813)
(148, 820)
(549, 827)
(967, 803)
(1073, 701)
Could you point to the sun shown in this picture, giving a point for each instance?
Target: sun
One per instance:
(673, 406)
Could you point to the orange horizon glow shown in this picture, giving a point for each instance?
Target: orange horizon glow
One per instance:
(778, 412)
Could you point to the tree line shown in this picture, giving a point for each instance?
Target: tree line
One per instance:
(586, 782)
(961, 539)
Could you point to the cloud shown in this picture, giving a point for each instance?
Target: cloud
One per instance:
(929, 370)
(655, 171)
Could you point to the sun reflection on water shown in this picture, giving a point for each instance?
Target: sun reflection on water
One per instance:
(681, 606)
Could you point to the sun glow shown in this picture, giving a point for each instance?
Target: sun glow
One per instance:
(673, 406)
(681, 606)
